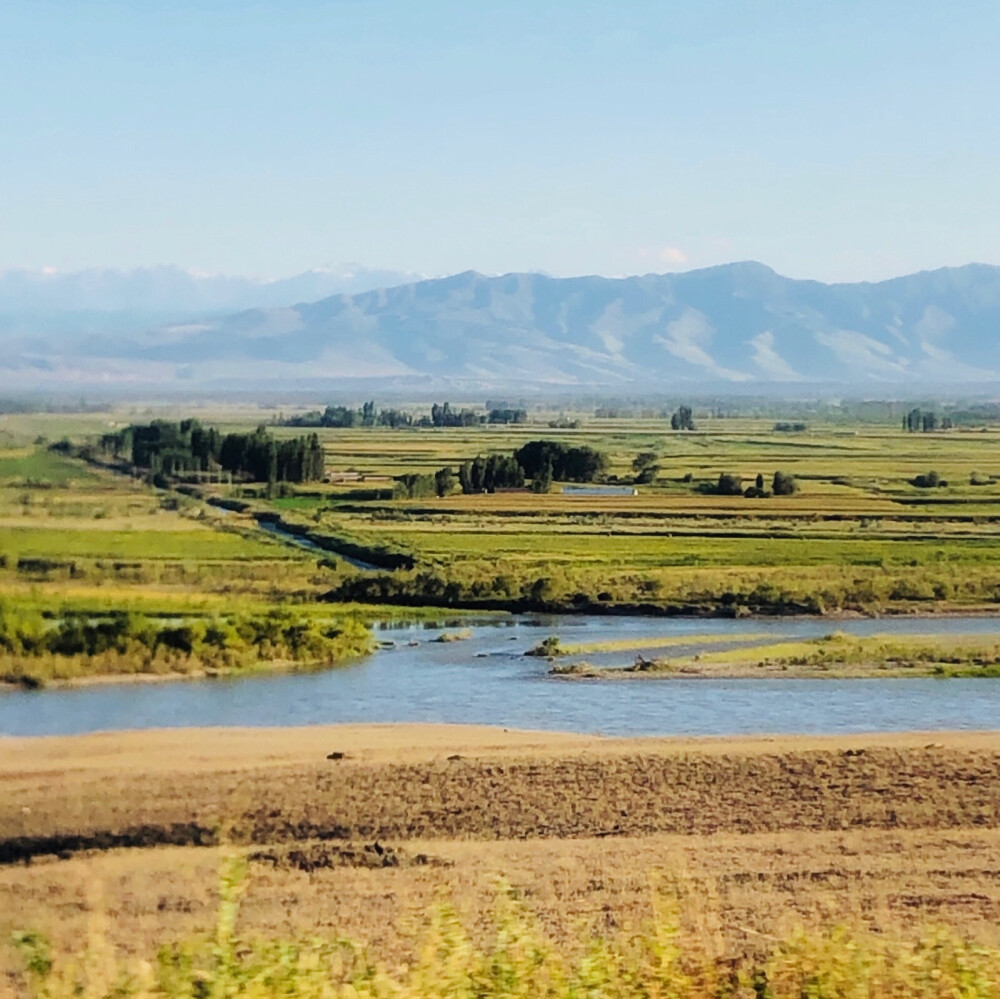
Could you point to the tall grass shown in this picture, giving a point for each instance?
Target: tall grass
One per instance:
(674, 957)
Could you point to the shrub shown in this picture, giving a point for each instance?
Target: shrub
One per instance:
(783, 484)
(729, 485)
(546, 649)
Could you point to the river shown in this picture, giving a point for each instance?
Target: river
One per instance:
(486, 679)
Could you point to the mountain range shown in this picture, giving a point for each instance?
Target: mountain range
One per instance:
(738, 324)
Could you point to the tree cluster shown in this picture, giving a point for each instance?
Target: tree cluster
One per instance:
(928, 480)
(782, 484)
(344, 416)
(508, 416)
(541, 461)
(414, 487)
(683, 419)
(645, 467)
(263, 459)
(164, 448)
(567, 464)
(487, 475)
(445, 416)
(926, 422)
(729, 484)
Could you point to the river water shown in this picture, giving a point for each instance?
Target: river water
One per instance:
(486, 679)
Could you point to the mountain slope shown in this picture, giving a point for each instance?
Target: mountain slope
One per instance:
(737, 324)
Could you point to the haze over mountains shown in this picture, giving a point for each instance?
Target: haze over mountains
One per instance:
(70, 302)
(737, 325)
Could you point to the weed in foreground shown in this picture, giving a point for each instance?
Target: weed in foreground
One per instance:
(674, 958)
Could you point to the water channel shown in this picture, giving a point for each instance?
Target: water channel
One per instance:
(486, 679)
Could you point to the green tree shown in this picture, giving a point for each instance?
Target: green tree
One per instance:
(444, 481)
(729, 485)
(683, 419)
(783, 484)
(645, 467)
(542, 481)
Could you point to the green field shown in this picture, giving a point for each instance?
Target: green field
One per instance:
(856, 536)
(199, 543)
(40, 467)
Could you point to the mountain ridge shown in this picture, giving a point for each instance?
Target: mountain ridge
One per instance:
(740, 323)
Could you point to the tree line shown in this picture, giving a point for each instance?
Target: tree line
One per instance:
(166, 449)
(369, 415)
(344, 416)
(782, 484)
(917, 420)
(542, 462)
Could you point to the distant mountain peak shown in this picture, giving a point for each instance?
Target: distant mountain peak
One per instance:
(737, 324)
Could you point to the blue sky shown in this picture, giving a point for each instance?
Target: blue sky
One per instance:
(836, 140)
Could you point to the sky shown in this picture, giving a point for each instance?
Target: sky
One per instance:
(830, 139)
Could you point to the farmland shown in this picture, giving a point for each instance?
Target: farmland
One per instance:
(857, 536)
(102, 575)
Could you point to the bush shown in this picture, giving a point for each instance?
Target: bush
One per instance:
(645, 467)
(729, 485)
(783, 484)
(927, 480)
(444, 481)
(548, 648)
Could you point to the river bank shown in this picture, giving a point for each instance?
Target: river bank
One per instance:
(356, 830)
(836, 655)
(485, 678)
(705, 654)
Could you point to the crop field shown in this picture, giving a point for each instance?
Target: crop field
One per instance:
(100, 574)
(59, 517)
(754, 838)
(857, 523)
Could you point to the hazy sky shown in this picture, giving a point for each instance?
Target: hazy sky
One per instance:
(833, 139)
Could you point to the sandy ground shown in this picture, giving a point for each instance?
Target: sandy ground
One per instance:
(161, 750)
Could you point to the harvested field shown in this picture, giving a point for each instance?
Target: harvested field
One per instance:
(889, 831)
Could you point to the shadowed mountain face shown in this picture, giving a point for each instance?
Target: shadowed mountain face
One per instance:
(737, 324)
